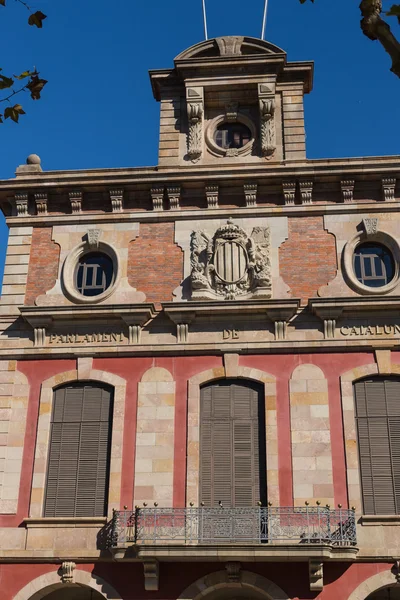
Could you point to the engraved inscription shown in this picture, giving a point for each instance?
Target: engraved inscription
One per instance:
(87, 338)
(370, 330)
(230, 334)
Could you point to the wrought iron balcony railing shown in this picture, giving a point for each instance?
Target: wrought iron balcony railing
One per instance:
(213, 526)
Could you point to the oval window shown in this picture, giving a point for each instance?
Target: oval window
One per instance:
(94, 274)
(232, 135)
(373, 264)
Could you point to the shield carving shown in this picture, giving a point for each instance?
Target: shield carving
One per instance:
(230, 262)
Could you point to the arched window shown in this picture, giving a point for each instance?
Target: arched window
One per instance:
(232, 444)
(79, 453)
(378, 427)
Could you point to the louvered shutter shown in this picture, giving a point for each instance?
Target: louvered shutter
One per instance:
(78, 467)
(378, 427)
(229, 444)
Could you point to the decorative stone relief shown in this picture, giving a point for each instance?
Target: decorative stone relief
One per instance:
(231, 112)
(39, 336)
(230, 45)
(250, 194)
(316, 574)
(157, 197)
(267, 116)
(289, 192)
(93, 236)
(21, 203)
(370, 226)
(116, 197)
(174, 196)
(231, 264)
(306, 190)
(233, 571)
(195, 111)
(182, 333)
(388, 189)
(67, 572)
(75, 199)
(212, 196)
(347, 187)
(41, 203)
(151, 575)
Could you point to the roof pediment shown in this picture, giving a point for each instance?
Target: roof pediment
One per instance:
(233, 45)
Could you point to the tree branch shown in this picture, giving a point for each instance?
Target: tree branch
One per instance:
(375, 28)
(23, 89)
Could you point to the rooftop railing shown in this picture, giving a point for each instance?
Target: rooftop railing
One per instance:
(214, 526)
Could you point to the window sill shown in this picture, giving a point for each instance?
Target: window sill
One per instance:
(368, 520)
(47, 522)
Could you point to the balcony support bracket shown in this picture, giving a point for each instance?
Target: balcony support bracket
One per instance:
(151, 575)
(316, 575)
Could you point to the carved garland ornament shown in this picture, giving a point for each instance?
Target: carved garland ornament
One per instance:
(195, 110)
(231, 264)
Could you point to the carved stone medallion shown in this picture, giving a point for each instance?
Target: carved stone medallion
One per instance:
(231, 264)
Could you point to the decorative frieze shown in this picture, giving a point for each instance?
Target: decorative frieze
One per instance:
(117, 198)
(174, 196)
(195, 111)
(75, 199)
(388, 189)
(250, 194)
(231, 264)
(157, 197)
(266, 98)
(212, 192)
(306, 191)
(347, 188)
(21, 204)
(289, 192)
(41, 203)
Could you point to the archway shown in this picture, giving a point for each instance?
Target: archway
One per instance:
(68, 592)
(387, 593)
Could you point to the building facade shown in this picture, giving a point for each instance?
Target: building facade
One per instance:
(199, 362)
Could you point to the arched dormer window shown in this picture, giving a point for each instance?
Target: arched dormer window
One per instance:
(79, 451)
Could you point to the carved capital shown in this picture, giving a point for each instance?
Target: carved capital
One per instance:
(151, 575)
(370, 226)
(289, 192)
(316, 575)
(250, 194)
(41, 203)
(21, 203)
(212, 192)
(174, 196)
(67, 572)
(75, 199)
(116, 197)
(93, 238)
(231, 45)
(306, 191)
(388, 189)
(157, 197)
(347, 188)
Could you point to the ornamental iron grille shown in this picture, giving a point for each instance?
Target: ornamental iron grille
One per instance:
(256, 525)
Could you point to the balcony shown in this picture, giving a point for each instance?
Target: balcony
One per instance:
(259, 533)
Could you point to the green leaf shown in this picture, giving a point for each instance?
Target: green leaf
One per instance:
(24, 74)
(35, 86)
(13, 112)
(394, 12)
(5, 82)
(37, 19)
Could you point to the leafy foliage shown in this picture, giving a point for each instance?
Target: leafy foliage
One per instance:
(34, 83)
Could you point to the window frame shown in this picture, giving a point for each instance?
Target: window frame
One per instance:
(372, 257)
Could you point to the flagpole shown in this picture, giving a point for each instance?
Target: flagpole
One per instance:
(264, 20)
(205, 20)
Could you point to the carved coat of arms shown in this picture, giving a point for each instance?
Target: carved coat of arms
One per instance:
(231, 265)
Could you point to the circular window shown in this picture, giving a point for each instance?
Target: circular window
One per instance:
(373, 264)
(94, 274)
(232, 135)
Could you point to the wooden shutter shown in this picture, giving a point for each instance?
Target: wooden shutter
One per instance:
(229, 444)
(79, 454)
(378, 427)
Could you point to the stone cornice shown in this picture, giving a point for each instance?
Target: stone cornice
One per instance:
(336, 307)
(187, 312)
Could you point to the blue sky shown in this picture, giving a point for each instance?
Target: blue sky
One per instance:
(98, 102)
